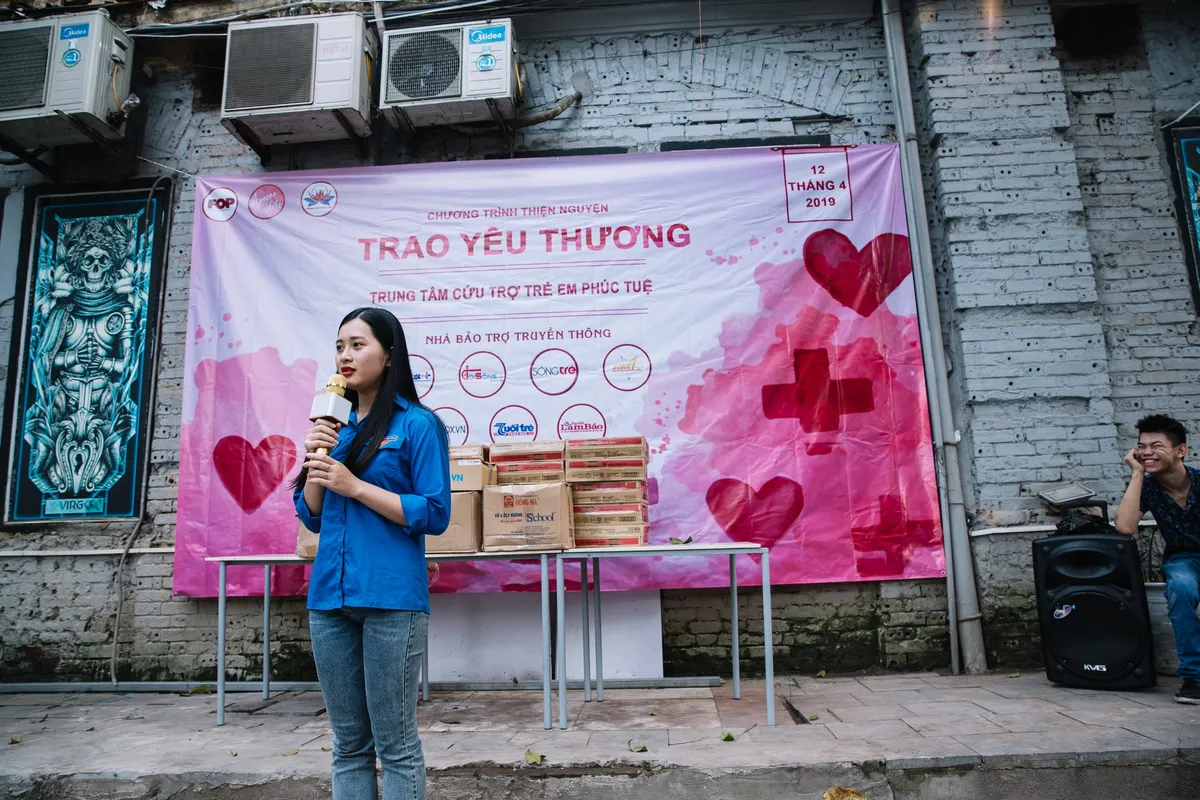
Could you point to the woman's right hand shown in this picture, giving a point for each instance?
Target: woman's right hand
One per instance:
(323, 434)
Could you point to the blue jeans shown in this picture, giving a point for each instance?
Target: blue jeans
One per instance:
(1182, 574)
(368, 661)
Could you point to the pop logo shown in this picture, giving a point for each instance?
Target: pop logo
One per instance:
(220, 204)
(506, 429)
(539, 517)
(1063, 611)
(509, 502)
(266, 201)
(456, 424)
(423, 374)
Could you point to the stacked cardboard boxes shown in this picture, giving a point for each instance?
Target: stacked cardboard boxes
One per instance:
(608, 483)
(530, 507)
(470, 473)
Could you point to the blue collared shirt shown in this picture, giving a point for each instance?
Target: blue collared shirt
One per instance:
(365, 560)
(1179, 526)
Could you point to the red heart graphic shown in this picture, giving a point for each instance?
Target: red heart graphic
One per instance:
(251, 473)
(760, 517)
(858, 279)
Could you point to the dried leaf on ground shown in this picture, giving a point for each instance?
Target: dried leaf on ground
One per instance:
(42, 718)
(534, 758)
(688, 540)
(327, 749)
(640, 748)
(726, 737)
(814, 716)
(233, 753)
(15, 740)
(654, 713)
(201, 690)
(1015, 675)
(842, 793)
(292, 752)
(821, 674)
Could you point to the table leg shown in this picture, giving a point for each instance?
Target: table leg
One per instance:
(562, 643)
(221, 644)
(587, 647)
(768, 637)
(549, 723)
(734, 629)
(425, 669)
(266, 632)
(599, 635)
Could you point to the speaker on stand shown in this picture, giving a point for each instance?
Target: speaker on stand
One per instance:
(1092, 609)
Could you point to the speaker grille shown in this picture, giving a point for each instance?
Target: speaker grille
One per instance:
(1095, 634)
(424, 65)
(24, 56)
(270, 67)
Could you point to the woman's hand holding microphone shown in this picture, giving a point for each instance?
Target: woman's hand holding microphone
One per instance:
(323, 470)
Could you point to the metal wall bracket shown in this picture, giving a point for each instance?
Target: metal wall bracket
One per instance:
(30, 158)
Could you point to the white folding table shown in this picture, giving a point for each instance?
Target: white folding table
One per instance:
(268, 561)
(596, 554)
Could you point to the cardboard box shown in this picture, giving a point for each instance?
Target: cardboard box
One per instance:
(475, 452)
(510, 452)
(465, 534)
(599, 516)
(610, 447)
(530, 472)
(470, 475)
(612, 493)
(611, 536)
(606, 469)
(529, 517)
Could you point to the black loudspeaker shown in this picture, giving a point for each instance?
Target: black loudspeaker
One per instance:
(1093, 613)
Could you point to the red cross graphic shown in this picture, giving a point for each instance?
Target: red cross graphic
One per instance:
(815, 399)
(884, 550)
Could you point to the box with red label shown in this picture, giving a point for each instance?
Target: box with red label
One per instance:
(612, 493)
(516, 472)
(622, 514)
(528, 517)
(606, 469)
(611, 536)
(465, 533)
(513, 452)
(610, 447)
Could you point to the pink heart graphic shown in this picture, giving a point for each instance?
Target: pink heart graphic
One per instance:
(251, 473)
(761, 517)
(858, 279)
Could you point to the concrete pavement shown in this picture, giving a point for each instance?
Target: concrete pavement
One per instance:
(889, 737)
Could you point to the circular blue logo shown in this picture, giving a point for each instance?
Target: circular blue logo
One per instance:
(486, 62)
(72, 57)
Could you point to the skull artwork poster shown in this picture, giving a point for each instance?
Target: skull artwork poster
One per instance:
(89, 346)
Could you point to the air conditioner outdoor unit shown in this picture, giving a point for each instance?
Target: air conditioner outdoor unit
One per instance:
(445, 74)
(77, 64)
(299, 79)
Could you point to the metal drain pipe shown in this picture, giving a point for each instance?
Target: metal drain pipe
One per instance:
(966, 629)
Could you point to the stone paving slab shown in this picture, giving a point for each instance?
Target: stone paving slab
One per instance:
(909, 722)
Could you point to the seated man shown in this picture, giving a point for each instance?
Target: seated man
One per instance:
(1170, 491)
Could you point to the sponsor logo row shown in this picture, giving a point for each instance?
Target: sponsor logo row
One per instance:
(268, 201)
(515, 423)
(553, 372)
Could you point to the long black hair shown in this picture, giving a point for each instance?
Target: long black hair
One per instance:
(397, 380)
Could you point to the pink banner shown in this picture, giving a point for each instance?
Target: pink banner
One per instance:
(750, 312)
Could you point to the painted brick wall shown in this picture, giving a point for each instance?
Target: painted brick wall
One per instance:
(56, 614)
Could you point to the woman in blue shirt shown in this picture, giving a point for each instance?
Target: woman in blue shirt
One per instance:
(384, 485)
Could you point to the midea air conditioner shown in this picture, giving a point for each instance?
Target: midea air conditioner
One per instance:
(446, 74)
(299, 79)
(78, 64)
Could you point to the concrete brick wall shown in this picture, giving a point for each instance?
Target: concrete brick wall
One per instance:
(56, 613)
